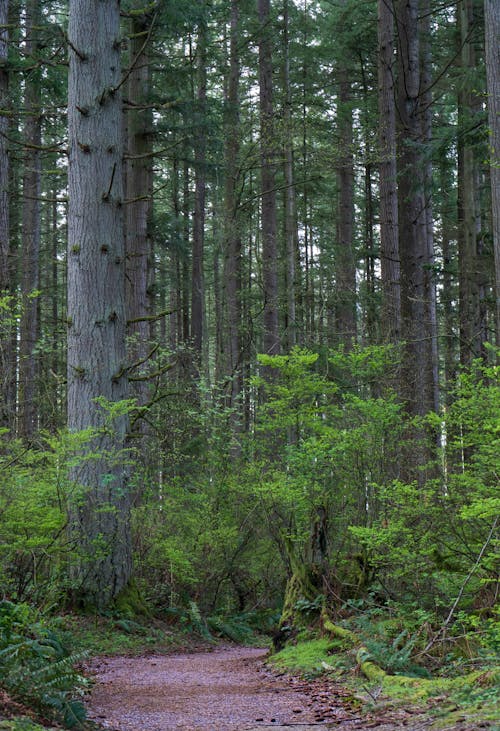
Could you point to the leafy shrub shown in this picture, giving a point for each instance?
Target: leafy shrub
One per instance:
(36, 668)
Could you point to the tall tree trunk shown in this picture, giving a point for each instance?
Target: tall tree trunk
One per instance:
(175, 316)
(389, 234)
(448, 295)
(7, 366)
(492, 28)
(197, 282)
(472, 326)
(417, 384)
(271, 343)
(291, 232)
(372, 328)
(28, 361)
(186, 200)
(426, 121)
(4, 152)
(97, 374)
(139, 184)
(232, 262)
(345, 257)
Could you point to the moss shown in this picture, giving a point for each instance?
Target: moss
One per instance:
(130, 603)
(299, 588)
(305, 657)
(336, 631)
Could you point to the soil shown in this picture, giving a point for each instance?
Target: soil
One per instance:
(229, 689)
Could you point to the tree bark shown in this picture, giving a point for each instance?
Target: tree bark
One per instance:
(7, 364)
(139, 190)
(291, 232)
(492, 31)
(271, 342)
(471, 294)
(4, 151)
(417, 385)
(345, 258)
(389, 241)
(232, 262)
(97, 375)
(28, 360)
(426, 120)
(197, 281)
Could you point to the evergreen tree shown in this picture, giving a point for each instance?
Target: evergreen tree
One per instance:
(97, 371)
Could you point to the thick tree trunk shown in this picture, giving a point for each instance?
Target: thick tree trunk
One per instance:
(186, 200)
(471, 290)
(4, 152)
(417, 385)
(97, 373)
(232, 262)
(426, 121)
(197, 281)
(139, 184)
(345, 257)
(7, 365)
(389, 234)
(492, 28)
(291, 232)
(448, 295)
(28, 361)
(271, 342)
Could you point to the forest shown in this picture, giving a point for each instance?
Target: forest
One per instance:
(250, 326)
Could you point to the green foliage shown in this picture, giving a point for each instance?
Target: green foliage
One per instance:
(440, 538)
(237, 629)
(36, 667)
(34, 499)
(333, 445)
(21, 724)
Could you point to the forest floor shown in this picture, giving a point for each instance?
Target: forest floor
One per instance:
(232, 689)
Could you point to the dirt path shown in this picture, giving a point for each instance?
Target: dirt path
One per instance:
(225, 690)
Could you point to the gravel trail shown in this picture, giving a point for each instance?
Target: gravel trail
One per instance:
(225, 690)
(228, 689)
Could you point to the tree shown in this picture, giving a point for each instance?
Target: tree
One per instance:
(7, 399)
(232, 234)
(271, 341)
(4, 154)
(28, 360)
(291, 233)
(345, 256)
(198, 325)
(492, 29)
(471, 276)
(138, 211)
(97, 373)
(415, 246)
(389, 243)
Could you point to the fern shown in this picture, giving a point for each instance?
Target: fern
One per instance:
(396, 657)
(36, 668)
(196, 621)
(235, 629)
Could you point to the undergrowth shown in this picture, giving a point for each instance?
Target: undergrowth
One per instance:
(458, 679)
(37, 668)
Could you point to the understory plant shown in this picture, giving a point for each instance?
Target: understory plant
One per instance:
(36, 668)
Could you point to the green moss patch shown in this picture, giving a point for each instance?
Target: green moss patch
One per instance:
(308, 657)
